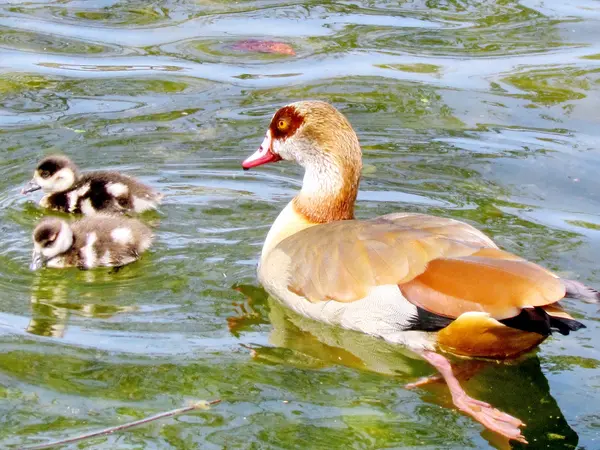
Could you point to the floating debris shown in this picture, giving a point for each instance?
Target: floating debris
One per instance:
(256, 45)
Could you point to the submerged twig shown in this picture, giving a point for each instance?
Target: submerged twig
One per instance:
(202, 404)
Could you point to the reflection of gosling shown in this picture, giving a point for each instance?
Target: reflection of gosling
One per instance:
(98, 241)
(89, 193)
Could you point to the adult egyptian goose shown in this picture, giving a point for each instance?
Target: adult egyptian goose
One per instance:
(97, 241)
(431, 283)
(90, 193)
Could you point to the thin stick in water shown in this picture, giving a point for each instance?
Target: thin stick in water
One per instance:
(202, 404)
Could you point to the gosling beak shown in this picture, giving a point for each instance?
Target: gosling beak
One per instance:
(32, 186)
(37, 260)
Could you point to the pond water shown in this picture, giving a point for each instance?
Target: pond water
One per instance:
(485, 111)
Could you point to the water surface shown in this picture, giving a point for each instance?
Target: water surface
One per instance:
(485, 111)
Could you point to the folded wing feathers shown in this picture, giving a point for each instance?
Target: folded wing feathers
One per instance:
(498, 286)
(342, 260)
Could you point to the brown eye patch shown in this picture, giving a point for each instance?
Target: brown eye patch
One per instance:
(45, 235)
(285, 122)
(49, 167)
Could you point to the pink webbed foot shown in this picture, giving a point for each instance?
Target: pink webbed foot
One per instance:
(490, 417)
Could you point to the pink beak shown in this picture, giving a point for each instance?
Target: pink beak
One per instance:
(263, 155)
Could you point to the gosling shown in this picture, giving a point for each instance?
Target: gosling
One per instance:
(69, 191)
(96, 241)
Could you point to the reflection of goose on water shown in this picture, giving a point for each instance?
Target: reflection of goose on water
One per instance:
(519, 387)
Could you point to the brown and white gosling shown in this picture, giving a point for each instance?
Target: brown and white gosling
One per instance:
(69, 191)
(98, 241)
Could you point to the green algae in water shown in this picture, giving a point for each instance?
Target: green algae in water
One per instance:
(480, 111)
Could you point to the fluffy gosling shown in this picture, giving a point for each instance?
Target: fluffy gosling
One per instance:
(69, 191)
(97, 241)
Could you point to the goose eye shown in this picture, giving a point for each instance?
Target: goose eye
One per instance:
(282, 125)
(44, 174)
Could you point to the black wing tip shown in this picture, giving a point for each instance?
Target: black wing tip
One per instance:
(427, 321)
(565, 326)
(537, 320)
(534, 320)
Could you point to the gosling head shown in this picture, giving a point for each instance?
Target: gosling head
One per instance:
(55, 173)
(51, 238)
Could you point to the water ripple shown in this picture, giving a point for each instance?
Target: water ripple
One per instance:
(483, 111)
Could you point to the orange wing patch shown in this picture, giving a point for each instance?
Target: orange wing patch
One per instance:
(500, 287)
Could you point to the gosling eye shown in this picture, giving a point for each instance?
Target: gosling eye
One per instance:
(44, 174)
(48, 242)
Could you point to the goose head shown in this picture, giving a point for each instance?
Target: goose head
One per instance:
(320, 139)
(308, 132)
